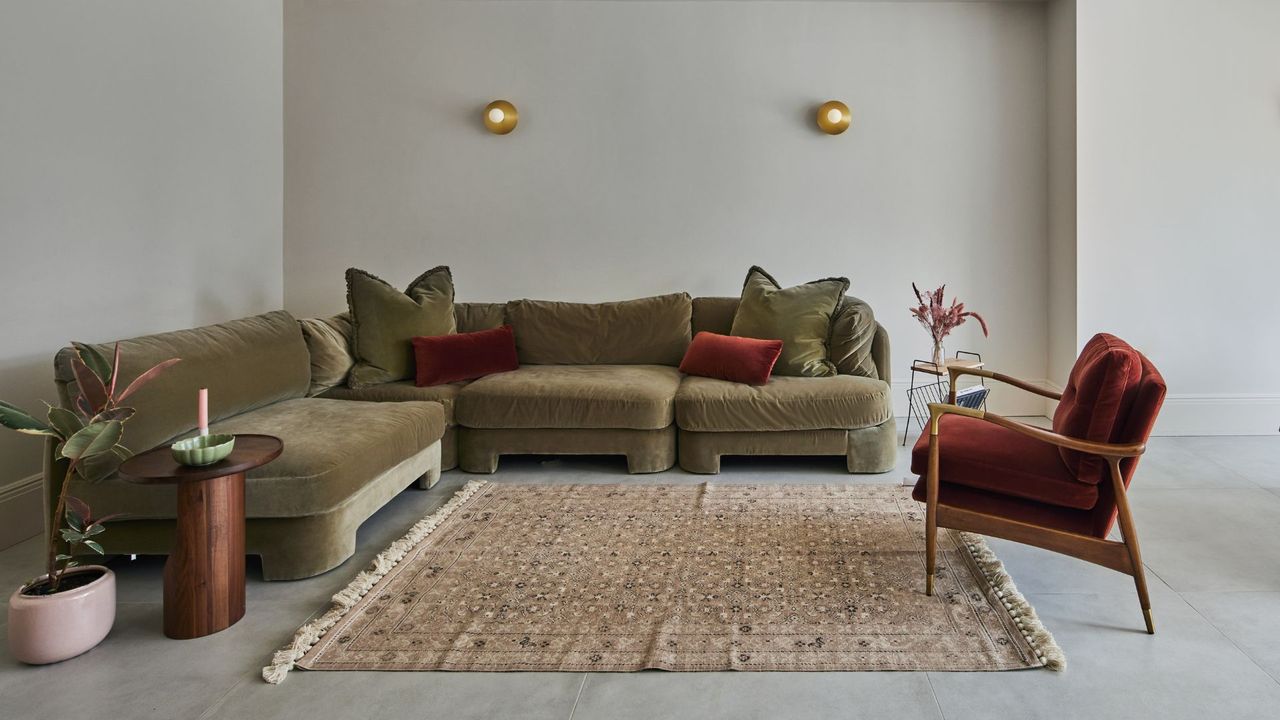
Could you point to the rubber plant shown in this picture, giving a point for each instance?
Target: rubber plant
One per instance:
(88, 438)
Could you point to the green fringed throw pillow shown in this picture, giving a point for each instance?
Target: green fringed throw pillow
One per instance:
(799, 316)
(385, 321)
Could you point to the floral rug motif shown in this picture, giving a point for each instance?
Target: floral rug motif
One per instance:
(675, 577)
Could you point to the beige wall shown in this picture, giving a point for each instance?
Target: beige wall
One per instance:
(141, 184)
(1179, 199)
(669, 146)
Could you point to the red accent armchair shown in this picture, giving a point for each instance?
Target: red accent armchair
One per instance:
(1061, 490)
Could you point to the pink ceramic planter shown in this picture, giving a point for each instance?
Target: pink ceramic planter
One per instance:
(50, 628)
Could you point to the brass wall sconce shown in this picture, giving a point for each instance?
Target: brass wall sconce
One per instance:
(500, 117)
(833, 117)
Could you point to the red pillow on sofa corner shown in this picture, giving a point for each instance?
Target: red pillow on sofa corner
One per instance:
(464, 356)
(732, 358)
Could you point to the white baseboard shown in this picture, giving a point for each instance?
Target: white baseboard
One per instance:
(1222, 414)
(21, 510)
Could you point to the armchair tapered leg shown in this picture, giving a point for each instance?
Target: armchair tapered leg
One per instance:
(1130, 535)
(931, 510)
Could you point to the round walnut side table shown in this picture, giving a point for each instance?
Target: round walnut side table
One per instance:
(204, 575)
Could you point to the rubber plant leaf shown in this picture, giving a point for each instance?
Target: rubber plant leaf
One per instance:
(16, 418)
(96, 468)
(65, 422)
(145, 378)
(95, 361)
(115, 413)
(90, 384)
(95, 438)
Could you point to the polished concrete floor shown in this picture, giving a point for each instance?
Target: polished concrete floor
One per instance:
(1208, 513)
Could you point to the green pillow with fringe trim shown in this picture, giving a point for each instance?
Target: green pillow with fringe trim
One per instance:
(385, 321)
(799, 316)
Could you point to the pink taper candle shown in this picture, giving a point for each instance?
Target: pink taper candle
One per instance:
(202, 411)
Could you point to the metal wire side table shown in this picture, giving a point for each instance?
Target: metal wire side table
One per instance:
(925, 391)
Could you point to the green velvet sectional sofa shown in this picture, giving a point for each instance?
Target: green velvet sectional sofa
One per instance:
(602, 379)
(597, 379)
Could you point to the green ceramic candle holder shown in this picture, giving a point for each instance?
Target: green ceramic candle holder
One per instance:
(203, 449)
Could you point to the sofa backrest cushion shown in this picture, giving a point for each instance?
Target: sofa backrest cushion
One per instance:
(329, 343)
(1095, 404)
(714, 314)
(475, 316)
(245, 364)
(648, 331)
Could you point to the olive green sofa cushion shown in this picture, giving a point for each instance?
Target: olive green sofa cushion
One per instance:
(473, 316)
(648, 331)
(799, 316)
(332, 448)
(639, 397)
(246, 364)
(329, 342)
(845, 402)
(386, 320)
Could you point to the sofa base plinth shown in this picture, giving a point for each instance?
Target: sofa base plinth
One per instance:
(647, 451)
(867, 450)
(449, 448)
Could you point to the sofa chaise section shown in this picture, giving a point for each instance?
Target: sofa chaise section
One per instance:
(342, 460)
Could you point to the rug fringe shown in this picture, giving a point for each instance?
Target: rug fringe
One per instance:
(1024, 616)
(309, 634)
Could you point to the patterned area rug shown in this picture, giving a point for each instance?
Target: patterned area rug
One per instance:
(674, 577)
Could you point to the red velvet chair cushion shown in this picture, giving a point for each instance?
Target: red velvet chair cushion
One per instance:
(465, 356)
(1096, 402)
(988, 457)
(727, 357)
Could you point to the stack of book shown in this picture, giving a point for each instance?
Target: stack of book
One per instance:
(972, 397)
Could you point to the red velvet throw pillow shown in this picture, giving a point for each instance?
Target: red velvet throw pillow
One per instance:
(726, 357)
(1096, 402)
(464, 356)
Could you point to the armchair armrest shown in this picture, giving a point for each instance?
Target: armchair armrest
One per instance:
(1106, 450)
(955, 372)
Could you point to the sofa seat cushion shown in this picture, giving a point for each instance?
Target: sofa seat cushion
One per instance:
(637, 397)
(839, 402)
(332, 449)
(402, 391)
(981, 455)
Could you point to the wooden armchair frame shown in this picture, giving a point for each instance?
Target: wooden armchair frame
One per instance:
(1123, 556)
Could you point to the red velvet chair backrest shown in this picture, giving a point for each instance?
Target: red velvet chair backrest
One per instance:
(1148, 396)
(1097, 401)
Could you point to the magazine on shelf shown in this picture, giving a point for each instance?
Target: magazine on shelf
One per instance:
(972, 397)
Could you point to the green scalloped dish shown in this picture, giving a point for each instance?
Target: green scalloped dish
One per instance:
(203, 450)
